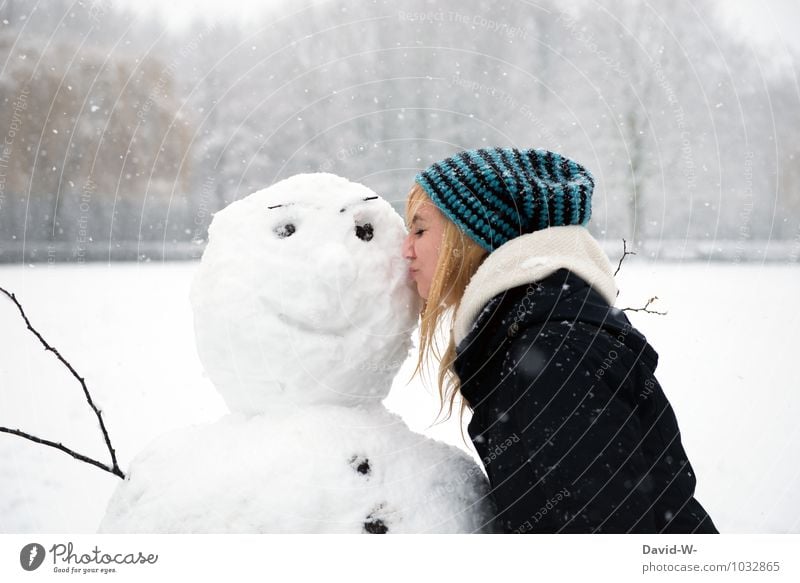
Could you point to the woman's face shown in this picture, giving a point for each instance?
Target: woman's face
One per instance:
(421, 245)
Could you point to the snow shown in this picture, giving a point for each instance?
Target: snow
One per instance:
(726, 362)
(322, 469)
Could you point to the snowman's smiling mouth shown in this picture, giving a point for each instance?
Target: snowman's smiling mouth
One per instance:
(323, 321)
(320, 328)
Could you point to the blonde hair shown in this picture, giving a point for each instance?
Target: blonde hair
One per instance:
(459, 259)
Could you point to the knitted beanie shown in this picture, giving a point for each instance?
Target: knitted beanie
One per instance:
(496, 194)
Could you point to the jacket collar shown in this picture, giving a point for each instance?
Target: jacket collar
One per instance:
(530, 258)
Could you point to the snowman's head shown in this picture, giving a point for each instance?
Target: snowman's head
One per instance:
(303, 296)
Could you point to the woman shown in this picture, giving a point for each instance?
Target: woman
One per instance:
(574, 431)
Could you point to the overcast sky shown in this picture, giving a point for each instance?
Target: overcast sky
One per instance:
(770, 22)
(770, 25)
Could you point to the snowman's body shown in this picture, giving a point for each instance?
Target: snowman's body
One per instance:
(303, 315)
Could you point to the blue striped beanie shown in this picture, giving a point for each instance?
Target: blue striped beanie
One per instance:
(496, 194)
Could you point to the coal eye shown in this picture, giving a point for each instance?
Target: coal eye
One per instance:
(284, 231)
(364, 232)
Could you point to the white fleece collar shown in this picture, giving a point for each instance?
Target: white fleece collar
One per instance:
(530, 258)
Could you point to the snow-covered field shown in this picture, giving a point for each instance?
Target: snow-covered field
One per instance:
(727, 362)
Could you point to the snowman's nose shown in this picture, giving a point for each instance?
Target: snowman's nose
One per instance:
(335, 266)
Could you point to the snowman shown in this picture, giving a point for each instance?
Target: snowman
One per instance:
(303, 314)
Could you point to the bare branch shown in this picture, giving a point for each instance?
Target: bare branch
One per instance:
(624, 253)
(645, 308)
(114, 468)
(65, 449)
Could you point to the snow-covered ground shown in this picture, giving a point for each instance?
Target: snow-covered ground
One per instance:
(727, 350)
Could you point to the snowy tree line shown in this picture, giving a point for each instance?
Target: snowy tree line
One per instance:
(119, 131)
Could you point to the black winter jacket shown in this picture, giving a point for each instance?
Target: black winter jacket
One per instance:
(571, 424)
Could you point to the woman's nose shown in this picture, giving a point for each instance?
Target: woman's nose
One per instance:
(408, 248)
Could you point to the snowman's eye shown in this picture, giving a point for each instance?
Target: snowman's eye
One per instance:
(365, 232)
(284, 231)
